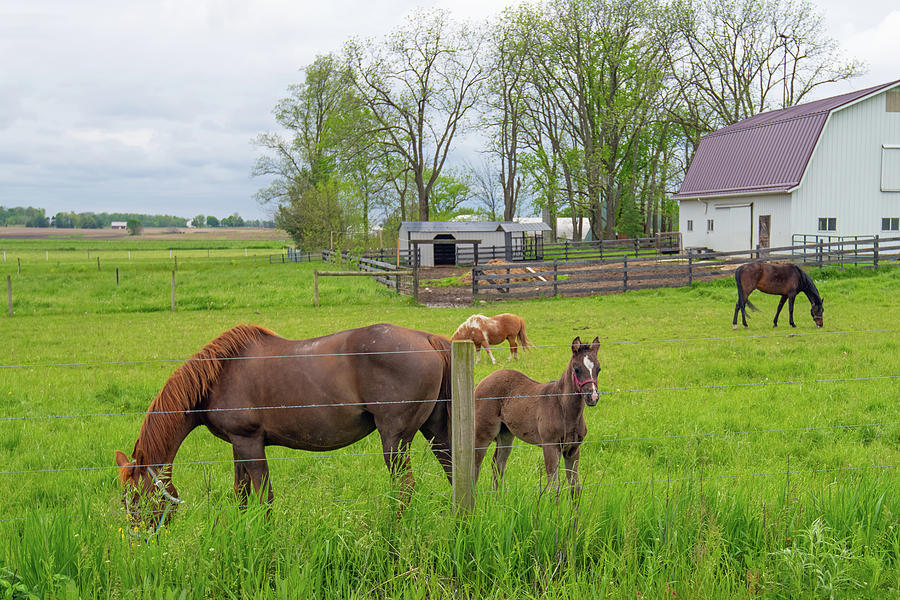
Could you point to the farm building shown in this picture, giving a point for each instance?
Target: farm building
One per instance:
(118, 225)
(500, 239)
(828, 168)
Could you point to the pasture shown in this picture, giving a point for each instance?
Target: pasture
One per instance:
(718, 463)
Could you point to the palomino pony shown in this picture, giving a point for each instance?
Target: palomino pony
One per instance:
(484, 331)
(784, 279)
(509, 404)
(254, 389)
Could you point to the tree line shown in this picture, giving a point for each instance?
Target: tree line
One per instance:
(36, 217)
(577, 108)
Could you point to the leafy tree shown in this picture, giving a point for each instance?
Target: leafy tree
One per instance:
(198, 221)
(134, 226)
(212, 221)
(449, 193)
(304, 166)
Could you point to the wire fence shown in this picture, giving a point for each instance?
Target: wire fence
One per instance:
(600, 441)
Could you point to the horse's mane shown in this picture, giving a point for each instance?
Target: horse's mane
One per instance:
(807, 285)
(188, 386)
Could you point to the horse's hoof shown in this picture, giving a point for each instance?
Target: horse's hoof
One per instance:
(734, 326)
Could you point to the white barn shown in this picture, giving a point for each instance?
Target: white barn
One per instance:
(500, 239)
(827, 168)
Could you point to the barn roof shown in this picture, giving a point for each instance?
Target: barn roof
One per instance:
(767, 152)
(472, 226)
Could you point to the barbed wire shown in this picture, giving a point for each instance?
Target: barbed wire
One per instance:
(393, 352)
(334, 456)
(429, 400)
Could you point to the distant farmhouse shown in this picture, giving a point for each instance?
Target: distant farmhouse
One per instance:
(119, 224)
(827, 168)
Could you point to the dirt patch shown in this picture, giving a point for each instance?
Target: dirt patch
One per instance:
(574, 280)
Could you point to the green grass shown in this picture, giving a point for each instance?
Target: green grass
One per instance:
(696, 484)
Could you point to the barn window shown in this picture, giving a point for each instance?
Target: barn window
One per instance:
(709, 225)
(690, 225)
(827, 223)
(892, 101)
(890, 224)
(890, 168)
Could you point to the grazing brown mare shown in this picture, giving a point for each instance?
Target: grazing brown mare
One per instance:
(254, 389)
(784, 279)
(484, 331)
(509, 404)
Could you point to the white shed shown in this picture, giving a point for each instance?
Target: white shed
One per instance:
(496, 239)
(825, 168)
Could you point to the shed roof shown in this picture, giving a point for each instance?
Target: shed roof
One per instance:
(767, 152)
(471, 226)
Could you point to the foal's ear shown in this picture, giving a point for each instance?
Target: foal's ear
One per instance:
(595, 345)
(576, 344)
(126, 467)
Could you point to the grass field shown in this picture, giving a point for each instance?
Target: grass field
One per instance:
(718, 463)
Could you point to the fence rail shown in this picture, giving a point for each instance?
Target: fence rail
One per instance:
(621, 274)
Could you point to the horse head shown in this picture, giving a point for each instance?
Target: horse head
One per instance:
(585, 367)
(149, 496)
(816, 312)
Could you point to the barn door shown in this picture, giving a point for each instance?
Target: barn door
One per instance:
(764, 222)
(444, 254)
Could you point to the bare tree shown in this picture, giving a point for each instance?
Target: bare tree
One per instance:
(419, 85)
(487, 188)
(750, 56)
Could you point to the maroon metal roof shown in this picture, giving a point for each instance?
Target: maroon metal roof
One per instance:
(767, 152)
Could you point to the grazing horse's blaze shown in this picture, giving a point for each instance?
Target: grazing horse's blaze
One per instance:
(484, 331)
(509, 404)
(781, 279)
(317, 394)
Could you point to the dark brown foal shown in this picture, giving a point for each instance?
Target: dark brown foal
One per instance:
(509, 404)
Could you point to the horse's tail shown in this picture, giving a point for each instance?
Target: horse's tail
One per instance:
(190, 384)
(523, 339)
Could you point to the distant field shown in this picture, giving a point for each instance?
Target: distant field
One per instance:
(718, 464)
(149, 233)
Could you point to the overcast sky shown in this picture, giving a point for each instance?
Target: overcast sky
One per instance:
(151, 106)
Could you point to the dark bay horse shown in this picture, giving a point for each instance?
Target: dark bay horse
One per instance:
(254, 389)
(509, 404)
(784, 279)
(484, 331)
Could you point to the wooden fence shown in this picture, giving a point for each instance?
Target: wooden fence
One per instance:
(402, 280)
(578, 278)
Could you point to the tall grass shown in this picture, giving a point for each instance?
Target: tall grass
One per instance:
(709, 469)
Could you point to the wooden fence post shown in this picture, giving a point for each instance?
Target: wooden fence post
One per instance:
(9, 293)
(690, 270)
(475, 273)
(875, 252)
(316, 287)
(117, 276)
(625, 273)
(98, 263)
(19, 268)
(821, 258)
(555, 279)
(173, 291)
(462, 408)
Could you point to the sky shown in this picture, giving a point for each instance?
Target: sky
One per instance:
(152, 106)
